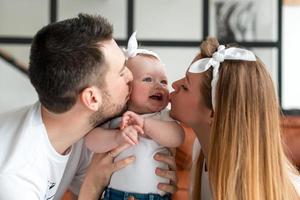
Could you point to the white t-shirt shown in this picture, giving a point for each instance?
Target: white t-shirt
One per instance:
(30, 168)
(140, 176)
(205, 189)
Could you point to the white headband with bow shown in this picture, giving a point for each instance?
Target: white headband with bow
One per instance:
(219, 56)
(132, 48)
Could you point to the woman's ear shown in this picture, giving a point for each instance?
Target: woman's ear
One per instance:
(91, 98)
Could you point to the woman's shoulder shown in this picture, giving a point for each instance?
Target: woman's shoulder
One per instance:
(196, 149)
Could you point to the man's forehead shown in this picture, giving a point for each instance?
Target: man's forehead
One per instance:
(106, 44)
(113, 55)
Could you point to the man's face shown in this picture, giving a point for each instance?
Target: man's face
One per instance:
(116, 91)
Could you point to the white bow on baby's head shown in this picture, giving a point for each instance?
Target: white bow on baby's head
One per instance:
(132, 48)
(218, 57)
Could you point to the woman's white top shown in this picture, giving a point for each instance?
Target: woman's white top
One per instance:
(205, 189)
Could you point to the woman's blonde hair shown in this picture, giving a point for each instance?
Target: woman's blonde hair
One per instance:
(246, 159)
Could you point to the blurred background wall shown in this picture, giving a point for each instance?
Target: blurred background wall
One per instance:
(172, 28)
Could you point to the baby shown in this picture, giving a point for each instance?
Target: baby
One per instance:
(146, 126)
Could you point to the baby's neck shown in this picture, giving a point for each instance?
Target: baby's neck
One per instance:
(140, 112)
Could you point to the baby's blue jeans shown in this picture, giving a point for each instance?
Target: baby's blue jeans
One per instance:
(112, 194)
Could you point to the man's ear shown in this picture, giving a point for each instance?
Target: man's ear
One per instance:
(91, 98)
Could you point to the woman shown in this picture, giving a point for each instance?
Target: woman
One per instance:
(232, 107)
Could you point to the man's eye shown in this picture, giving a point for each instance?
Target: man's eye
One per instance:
(148, 79)
(183, 87)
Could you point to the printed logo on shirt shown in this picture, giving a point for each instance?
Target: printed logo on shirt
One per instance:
(50, 190)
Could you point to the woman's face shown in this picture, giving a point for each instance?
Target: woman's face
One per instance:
(187, 103)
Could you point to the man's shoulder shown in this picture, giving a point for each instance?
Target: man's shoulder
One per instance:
(14, 116)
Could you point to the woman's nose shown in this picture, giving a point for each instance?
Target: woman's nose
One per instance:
(174, 85)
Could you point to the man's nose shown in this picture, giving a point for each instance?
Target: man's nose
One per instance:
(129, 76)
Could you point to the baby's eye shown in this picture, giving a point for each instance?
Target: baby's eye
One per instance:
(183, 87)
(147, 79)
(165, 82)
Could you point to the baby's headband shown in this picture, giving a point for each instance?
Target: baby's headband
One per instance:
(132, 48)
(219, 56)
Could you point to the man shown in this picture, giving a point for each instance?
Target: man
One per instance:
(80, 76)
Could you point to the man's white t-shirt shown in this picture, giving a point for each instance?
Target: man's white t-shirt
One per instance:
(30, 168)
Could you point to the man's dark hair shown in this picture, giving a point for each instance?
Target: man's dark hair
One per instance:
(65, 58)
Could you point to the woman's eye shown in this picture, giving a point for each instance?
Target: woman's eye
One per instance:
(148, 79)
(183, 87)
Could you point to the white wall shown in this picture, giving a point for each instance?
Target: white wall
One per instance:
(291, 55)
(155, 19)
(15, 88)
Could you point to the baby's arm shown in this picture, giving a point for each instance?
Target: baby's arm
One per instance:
(101, 140)
(166, 133)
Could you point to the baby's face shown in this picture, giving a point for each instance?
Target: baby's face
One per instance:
(149, 86)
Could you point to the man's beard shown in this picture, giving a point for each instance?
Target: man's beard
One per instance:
(107, 110)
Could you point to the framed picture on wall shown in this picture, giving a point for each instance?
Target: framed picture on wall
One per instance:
(246, 20)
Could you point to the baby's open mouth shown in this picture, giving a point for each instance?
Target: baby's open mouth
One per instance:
(157, 96)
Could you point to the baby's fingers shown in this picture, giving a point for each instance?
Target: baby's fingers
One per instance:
(124, 122)
(131, 136)
(130, 140)
(138, 129)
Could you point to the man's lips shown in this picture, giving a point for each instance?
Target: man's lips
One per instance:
(128, 95)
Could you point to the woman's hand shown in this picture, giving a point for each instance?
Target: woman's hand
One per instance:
(169, 174)
(100, 170)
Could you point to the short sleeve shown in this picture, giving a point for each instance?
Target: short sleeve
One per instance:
(81, 171)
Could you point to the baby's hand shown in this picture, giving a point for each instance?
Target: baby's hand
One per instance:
(131, 118)
(129, 135)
